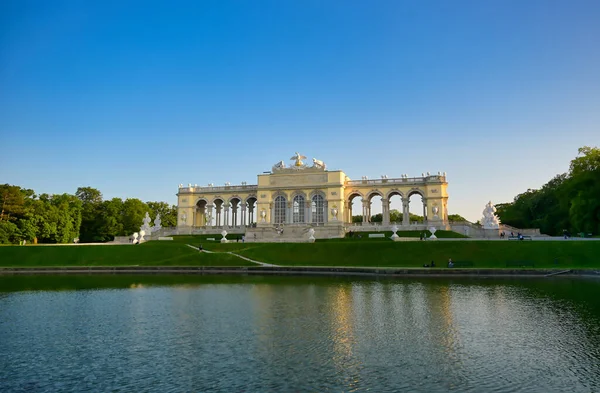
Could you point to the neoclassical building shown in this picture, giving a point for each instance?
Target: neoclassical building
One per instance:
(301, 195)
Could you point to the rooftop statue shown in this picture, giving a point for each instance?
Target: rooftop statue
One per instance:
(279, 165)
(319, 164)
(298, 158)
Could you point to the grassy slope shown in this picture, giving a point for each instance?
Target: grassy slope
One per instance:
(147, 254)
(484, 254)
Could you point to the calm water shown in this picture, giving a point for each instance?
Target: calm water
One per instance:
(253, 334)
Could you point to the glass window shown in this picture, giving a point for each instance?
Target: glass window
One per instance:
(279, 217)
(298, 209)
(318, 209)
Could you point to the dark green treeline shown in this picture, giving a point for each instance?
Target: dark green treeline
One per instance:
(24, 215)
(570, 201)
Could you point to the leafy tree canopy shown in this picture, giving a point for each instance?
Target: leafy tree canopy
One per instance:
(568, 202)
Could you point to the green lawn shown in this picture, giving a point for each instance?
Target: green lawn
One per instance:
(364, 236)
(147, 254)
(483, 254)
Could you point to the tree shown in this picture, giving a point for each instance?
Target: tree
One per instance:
(588, 162)
(68, 217)
(377, 217)
(168, 213)
(12, 201)
(89, 195)
(91, 200)
(110, 221)
(134, 211)
(9, 232)
(395, 215)
(456, 218)
(569, 201)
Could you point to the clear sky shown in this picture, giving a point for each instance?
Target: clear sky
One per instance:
(135, 97)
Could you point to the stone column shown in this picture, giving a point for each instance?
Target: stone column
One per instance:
(424, 210)
(365, 211)
(308, 212)
(209, 210)
(289, 213)
(243, 222)
(385, 211)
(349, 212)
(272, 208)
(405, 211)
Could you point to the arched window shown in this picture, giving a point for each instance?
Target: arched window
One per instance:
(318, 209)
(298, 209)
(279, 216)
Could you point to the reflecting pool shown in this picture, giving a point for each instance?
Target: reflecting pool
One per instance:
(277, 333)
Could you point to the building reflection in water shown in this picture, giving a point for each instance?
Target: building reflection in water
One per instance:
(342, 335)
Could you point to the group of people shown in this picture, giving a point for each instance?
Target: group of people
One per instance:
(432, 264)
(351, 235)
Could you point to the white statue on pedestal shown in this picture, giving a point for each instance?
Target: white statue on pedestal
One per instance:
(224, 233)
(435, 212)
(311, 235)
(334, 213)
(146, 225)
(263, 215)
(490, 220)
(157, 223)
(433, 231)
(135, 237)
(142, 234)
(394, 234)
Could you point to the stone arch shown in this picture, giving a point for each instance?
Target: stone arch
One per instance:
(249, 197)
(218, 206)
(396, 203)
(373, 193)
(374, 206)
(232, 216)
(417, 204)
(249, 204)
(200, 212)
(414, 191)
(354, 208)
(317, 192)
(215, 199)
(234, 197)
(394, 192)
(200, 199)
(279, 193)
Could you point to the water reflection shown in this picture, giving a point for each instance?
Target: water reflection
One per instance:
(298, 334)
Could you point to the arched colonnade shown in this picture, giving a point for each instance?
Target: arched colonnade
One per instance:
(225, 212)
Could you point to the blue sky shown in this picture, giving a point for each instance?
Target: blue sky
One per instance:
(134, 98)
